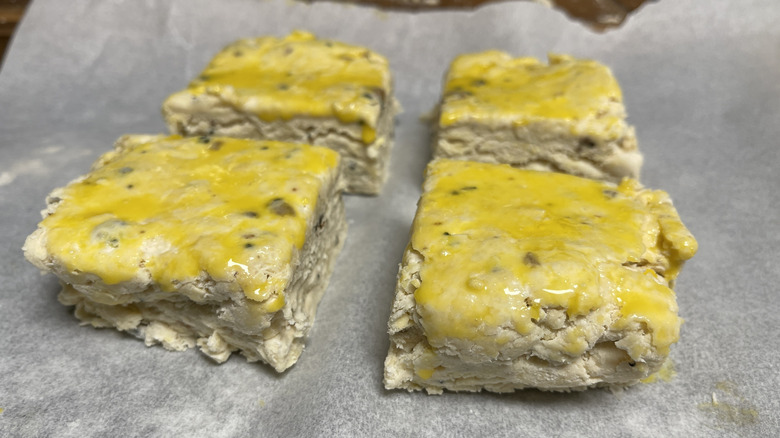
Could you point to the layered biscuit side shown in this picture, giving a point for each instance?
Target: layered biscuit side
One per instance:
(296, 89)
(565, 116)
(223, 243)
(523, 279)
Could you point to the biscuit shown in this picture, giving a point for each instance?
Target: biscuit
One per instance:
(525, 279)
(296, 89)
(565, 116)
(223, 243)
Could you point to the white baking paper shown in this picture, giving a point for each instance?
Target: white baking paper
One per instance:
(701, 84)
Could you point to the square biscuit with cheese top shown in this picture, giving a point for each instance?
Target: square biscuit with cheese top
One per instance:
(565, 116)
(223, 243)
(296, 89)
(516, 278)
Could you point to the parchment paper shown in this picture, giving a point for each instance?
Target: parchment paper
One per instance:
(700, 80)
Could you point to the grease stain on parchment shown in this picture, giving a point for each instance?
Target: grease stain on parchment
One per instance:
(26, 167)
(666, 373)
(36, 166)
(51, 150)
(729, 407)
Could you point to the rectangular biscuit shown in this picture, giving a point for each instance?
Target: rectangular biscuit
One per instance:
(518, 278)
(223, 243)
(296, 89)
(565, 116)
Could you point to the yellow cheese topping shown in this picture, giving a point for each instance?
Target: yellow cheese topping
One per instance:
(500, 245)
(492, 86)
(235, 210)
(300, 75)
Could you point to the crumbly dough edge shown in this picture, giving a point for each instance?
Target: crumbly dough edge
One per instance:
(544, 145)
(365, 165)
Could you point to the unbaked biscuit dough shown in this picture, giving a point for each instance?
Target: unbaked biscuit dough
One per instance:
(565, 116)
(518, 278)
(296, 89)
(222, 243)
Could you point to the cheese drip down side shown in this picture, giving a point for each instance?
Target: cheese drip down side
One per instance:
(492, 86)
(502, 244)
(299, 75)
(176, 207)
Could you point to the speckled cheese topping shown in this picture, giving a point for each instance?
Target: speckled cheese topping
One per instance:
(500, 243)
(300, 75)
(492, 86)
(179, 207)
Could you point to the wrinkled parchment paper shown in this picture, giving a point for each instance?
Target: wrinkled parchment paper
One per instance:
(701, 86)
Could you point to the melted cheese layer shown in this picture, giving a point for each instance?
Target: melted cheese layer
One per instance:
(502, 244)
(299, 75)
(234, 209)
(492, 86)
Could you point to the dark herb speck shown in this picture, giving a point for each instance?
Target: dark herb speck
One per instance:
(280, 207)
(125, 170)
(205, 139)
(587, 143)
(530, 259)
(320, 222)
